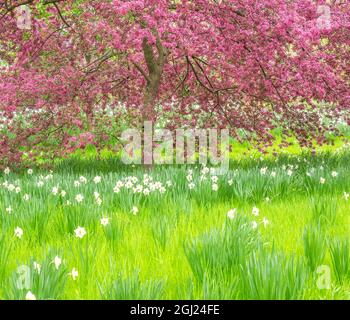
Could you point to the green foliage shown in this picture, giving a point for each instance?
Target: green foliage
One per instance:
(220, 252)
(340, 253)
(161, 231)
(314, 246)
(5, 250)
(114, 232)
(324, 210)
(132, 288)
(269, 275)
(46, 283)
(182, 238)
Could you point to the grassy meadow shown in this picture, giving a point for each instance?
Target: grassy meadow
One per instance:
(271, 228)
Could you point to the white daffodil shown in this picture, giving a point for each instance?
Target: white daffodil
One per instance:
(205, 170)
(263, 170)
(79, 198)
(37, 267)
(96, 195)
(265, 222)
(134, 179)
(26, 197)
(54, 191)
(19, 232)
(97, 179)
(346, 196)
(80, 232)
(254, 224)
(169, 183)
(40, 183)
(162, 190)
(255, 211)
(322, 180)
(104, 221)
(215, 187)
(334, 174)
(9, 210)
(30, 296)
(138, 188)
(7, 171)
(76, 184)
(30, 171)
(135, 210)
(74, 274)
(191, 185)
(158, 185)
(83, 180)
(119, 184)
(232, 214)
(128, 185)
(99, 201)
(57, 262)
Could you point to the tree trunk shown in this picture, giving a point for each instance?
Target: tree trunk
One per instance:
(155, 66)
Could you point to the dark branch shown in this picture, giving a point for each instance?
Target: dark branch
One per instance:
(61, 16)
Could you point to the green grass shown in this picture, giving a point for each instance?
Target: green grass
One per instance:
(340, 253)
(181, 244)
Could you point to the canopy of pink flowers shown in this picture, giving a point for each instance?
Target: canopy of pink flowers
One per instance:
(86, 69)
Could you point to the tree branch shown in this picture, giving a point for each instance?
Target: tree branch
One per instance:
(26, 2)
(149, 56)
(61, 16)
(142, 72)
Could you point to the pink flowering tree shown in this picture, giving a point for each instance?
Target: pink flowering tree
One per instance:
(74, 73)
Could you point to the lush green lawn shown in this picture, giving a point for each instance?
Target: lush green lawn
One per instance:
(182, 243)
